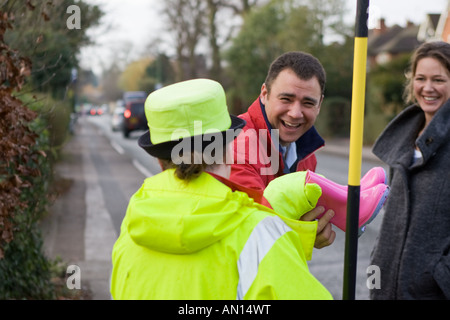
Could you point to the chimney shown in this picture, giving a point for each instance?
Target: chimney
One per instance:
(381, 27)
(409, 24)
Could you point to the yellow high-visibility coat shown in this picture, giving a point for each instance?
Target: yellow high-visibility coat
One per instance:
(201, 240)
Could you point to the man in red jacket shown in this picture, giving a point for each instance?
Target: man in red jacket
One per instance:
(279, 136)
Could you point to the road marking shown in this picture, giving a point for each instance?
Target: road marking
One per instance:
(117, 147)
(99, 234)
(141, 168)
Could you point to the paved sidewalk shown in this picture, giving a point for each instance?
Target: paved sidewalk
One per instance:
(79, 228)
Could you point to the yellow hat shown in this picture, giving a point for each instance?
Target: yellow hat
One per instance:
(185, 110)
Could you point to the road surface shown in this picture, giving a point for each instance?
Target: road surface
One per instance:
(111, 168)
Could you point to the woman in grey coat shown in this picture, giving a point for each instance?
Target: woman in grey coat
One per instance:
(413, 247)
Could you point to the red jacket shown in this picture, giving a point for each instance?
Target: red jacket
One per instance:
(258, 160)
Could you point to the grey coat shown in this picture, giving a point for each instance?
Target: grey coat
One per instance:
(413, 246)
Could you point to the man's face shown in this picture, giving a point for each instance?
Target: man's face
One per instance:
(292, 105)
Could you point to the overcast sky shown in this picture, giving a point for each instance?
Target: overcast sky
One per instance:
(135, 23)
(399, 11)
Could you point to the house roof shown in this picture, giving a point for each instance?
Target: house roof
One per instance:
(395, 40)
(377, 39)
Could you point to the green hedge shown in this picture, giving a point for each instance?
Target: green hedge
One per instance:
(25, 271)
(334, 118)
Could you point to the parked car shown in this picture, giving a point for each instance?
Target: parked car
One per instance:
(134, 117)
(117, 118)
(134, 95)
(96, 111)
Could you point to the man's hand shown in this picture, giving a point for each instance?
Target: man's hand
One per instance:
(325, 234)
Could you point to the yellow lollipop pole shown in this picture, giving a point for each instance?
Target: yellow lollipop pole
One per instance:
(356, 142)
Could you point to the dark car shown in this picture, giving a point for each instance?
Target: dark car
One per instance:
(134, 95)
(134, 117)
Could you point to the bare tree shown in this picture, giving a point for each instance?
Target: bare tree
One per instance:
(216, 7)
(216, 68)
(191, 21)
(186, 21)
(329, 17)
(240, 7)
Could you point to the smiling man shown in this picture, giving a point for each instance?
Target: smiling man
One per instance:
(279, 136)
(281, 120)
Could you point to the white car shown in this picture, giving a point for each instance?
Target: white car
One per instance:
(117, 118)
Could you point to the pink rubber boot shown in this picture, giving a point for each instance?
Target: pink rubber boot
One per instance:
(373, 177)
(334, 196)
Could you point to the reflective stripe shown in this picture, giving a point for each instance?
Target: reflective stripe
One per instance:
(261, 240)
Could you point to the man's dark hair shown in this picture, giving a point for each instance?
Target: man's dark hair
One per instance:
(303, 64)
